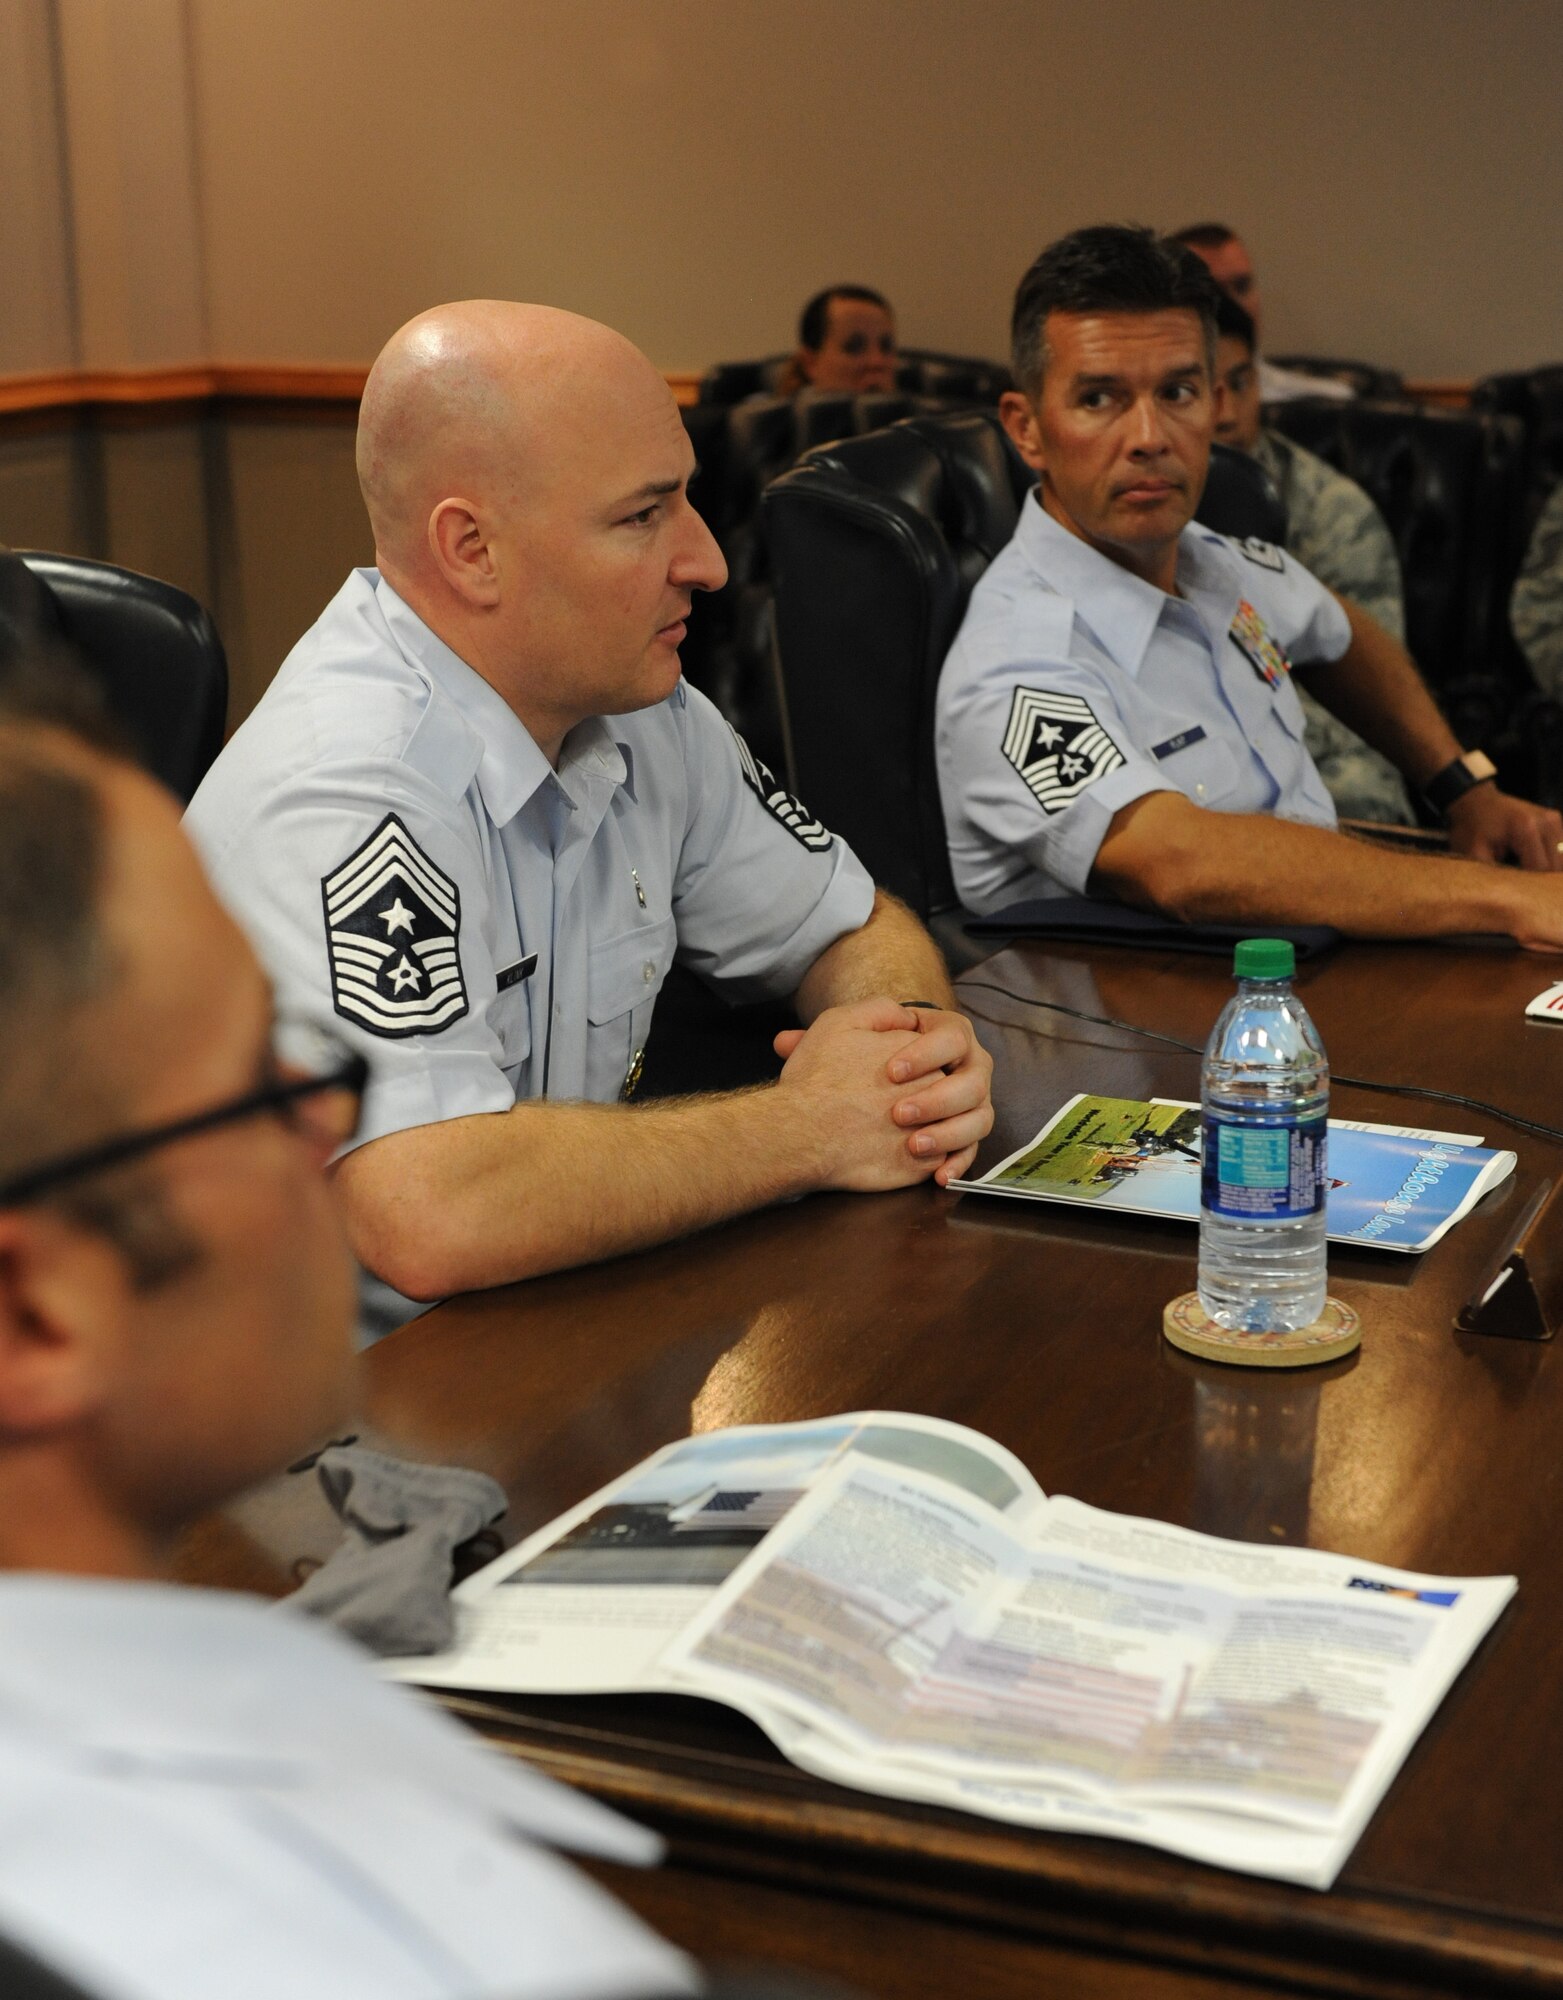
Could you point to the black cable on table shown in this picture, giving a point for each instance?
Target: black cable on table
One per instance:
(1350, 1082)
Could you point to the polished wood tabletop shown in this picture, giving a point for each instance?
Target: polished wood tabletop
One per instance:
(1429, 1449)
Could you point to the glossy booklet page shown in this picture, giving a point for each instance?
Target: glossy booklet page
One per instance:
(894, 1601)
(1395, 1187)
(588, 1604)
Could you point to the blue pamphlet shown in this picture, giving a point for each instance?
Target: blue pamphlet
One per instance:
(1392, 1186)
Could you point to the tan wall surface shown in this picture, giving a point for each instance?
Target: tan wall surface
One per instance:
(691, 170)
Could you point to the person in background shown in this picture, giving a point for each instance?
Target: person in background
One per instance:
(1335, 531)
(1118, 714)
(846, 343)
(200, 1793)
(1225, 255)
(1536, 608)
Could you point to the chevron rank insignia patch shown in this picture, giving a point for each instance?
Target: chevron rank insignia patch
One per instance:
(1266, 554)
(781, 804)
(1057, 745)
(392, 920)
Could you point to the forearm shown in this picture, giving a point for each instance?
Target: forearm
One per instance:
(1238, 867)
(1376, 690)
(481, 1201)
(892, 954)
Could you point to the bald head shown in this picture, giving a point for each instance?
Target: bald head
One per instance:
(481, 400)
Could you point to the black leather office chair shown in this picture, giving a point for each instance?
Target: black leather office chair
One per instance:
(876, 543)
(1451, 486)
(1534, 398)
(151, 646)
(920, 371)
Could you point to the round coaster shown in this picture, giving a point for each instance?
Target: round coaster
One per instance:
(1337, 1331)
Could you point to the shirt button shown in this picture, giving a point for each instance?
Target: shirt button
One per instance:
(648, 972)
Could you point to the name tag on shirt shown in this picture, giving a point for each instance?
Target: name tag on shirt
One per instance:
(514, 974)
(1179, 742)
(1252, 638)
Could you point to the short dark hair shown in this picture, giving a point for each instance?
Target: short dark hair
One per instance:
(815, 317)
(51, 865)
(1110, 267)
(57, 959)
(1235, 322)
(1204, 235)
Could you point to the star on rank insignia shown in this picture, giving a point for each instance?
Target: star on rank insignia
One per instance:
(392, 919)
(780, 803)
(1057, 745)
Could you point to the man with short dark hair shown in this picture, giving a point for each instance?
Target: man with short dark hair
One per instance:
(1338, 535)
(201, 1794)
(846, 342)
(1117, 712)
(1225, 255)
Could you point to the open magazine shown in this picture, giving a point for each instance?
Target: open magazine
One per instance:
(1392, 1186)
(898, 1605)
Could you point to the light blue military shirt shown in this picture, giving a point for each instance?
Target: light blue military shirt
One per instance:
(203, 1797)
(485, 927)
(1074, 688)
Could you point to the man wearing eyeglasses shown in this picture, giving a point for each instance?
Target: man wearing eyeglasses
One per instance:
(478, 814)
(201, 1794)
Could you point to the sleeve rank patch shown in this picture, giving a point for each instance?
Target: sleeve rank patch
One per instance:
(781, 804)
(1266, 554)
(1057, 745)
(392, 921)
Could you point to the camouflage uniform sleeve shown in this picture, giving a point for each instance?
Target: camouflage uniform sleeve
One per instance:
(1536, 608)
(1334, 529)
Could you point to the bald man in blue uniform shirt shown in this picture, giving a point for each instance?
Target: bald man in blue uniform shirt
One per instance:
(1117, 711)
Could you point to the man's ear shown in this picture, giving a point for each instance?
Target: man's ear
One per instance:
(64, 1299)
(1018, 416)
(806, 360)
(459, 544)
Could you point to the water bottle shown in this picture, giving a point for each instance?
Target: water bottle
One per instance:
(1264, 1098)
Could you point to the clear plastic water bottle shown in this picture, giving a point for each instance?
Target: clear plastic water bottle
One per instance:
(1264, 1098)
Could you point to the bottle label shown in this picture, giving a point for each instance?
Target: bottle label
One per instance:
(1265, 1172)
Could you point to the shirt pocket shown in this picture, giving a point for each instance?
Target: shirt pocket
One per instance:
(624, 975)
(1207, 771)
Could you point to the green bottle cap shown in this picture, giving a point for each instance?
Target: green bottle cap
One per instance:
(1264, 958)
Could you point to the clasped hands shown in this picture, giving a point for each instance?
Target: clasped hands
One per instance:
(899, 1093)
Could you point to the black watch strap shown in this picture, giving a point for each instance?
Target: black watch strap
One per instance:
(1455, 780)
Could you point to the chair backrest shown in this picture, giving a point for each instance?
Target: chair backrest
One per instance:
(1451, 485)
(1365, 377)
(157, 654)
(1535, 398)
(876, 543)
(920, 371)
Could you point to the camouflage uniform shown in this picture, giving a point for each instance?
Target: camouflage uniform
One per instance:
(1536, 608)
(1334, 529)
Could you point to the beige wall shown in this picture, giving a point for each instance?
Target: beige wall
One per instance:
(285, 180)
(692, 169)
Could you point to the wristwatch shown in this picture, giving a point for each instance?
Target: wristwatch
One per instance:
(1474, 768)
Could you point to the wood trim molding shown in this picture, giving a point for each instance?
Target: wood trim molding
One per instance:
(260, 382)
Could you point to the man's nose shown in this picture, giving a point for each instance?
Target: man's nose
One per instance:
(698, 564)
(1147, 433)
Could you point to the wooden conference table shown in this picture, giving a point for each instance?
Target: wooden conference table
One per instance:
(1429, 1449)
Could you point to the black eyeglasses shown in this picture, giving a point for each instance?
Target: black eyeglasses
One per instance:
(328, 1076)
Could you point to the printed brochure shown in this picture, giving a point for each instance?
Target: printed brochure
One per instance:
(1392, 1186)
(901, 1609)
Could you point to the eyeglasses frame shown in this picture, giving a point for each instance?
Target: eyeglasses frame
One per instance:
(351, 1075)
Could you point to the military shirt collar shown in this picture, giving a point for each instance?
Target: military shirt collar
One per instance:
(1120, 609)
(509, 764)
